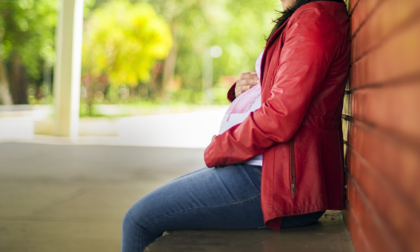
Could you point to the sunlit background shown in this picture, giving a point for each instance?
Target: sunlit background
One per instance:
(138, 58)
(103, 101)
(85, 131)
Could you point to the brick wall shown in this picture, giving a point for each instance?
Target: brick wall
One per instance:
(382, 126)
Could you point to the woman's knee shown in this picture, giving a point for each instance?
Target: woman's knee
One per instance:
(135, 235)
(128, 222)
(136, 217)
(137, 222)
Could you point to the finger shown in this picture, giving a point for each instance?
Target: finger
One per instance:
(253, 81)
(247, 82)
(237, 91)
(243, 89)
(247, 75)
(255, 77)
(252, 78)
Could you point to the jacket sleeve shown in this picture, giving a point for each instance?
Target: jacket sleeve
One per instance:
(309, 47)
(231, 93)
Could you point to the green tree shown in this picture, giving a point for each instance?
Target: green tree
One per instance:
(27, 37)
(239, 27)
(26, 44)
(122, 42)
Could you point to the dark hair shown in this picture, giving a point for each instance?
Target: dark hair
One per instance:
(284, 15)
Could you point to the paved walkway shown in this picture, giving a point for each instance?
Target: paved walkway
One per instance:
(62, 198)
(190, 129)
(328, 235)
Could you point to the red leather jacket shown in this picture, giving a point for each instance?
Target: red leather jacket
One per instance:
(298, 127)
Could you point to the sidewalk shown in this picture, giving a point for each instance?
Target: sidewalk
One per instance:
(189, 130)
(72, 198)
(62, 195)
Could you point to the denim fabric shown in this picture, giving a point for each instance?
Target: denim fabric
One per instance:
(216, 198)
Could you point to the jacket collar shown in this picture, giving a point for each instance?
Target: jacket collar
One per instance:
(276, 34)
(270, 42)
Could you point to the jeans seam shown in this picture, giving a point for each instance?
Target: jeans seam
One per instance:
(258, 171)
(142, 229)
(194, 208)
(188, 174)
(138, 225)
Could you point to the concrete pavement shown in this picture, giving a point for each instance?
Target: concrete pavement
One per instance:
(62, 198)
(190, 129)
(72, 198)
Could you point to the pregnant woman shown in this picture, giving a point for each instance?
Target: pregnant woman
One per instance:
(277, 161)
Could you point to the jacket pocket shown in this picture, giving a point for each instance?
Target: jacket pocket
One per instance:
(292, 169)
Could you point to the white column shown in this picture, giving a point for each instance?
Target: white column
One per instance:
(68, 68)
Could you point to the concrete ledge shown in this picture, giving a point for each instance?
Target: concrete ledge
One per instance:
(16, 128)
(329, 234)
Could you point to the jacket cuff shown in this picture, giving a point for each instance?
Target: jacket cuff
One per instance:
(231, 93)
(207, 156)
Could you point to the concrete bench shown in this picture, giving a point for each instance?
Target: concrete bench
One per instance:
(328, 234)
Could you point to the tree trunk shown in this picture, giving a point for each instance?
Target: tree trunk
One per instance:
(19, 81)
(5, 97)
(170, 62)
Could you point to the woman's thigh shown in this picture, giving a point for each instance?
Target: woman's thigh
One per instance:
(216, 198)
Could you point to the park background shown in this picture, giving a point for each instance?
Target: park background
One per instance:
(139, 58)
(56, 192)
(139, 55)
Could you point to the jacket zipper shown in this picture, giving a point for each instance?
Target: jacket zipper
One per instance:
(292, 170)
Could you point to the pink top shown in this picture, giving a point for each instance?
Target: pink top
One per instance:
(242, 106)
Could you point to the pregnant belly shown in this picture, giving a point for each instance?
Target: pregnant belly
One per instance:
(241, 107)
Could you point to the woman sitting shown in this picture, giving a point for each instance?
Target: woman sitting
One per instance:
(278, 160)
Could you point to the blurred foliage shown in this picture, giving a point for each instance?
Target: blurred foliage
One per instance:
(27, 40)
(238, 27)
(127, 46)
(26, 43)
(27, 28)
(121, 43)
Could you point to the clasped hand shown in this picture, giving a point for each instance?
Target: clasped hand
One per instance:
(245, 82)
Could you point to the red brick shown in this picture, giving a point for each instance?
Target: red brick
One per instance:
(352, 4)
(373, 232)
(393, 107)
(357, 235)
(397, 58)
(361, 12)
(388, 175)
(389, 17)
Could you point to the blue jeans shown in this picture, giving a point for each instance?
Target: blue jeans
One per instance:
(216, 198)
